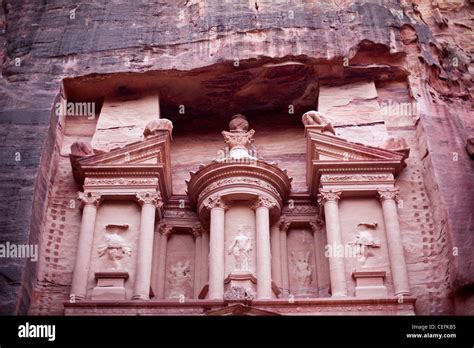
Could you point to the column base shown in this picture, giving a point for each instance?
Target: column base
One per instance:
(110, 285)
(369, 284)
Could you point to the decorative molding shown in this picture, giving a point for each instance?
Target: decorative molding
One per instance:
(239, 180)
(120, 181)
(149, 198)
(215, 202)
(388, 194)
(264, 202)
(301, 209)
(238, 293)
(284, 224)
(356, 177)
(316, 226)
(90, 198)
(197, 230)
(328, 196)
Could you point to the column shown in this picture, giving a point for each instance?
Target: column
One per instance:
(316, 228)
(276, 259)
(204, 258)
(264, 269)
(90, 203)
(165, 230)
(197, 260)
(149, 202)
(394, 241)
(285, 277)
(154, 263)
(216, 246)
(337, 270)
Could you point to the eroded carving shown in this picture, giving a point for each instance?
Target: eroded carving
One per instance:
(238, 293)
(240, 249)
(155, 126)
(149, 198)
(303, 270)
(364, 242)
(93, 198)
(315, 118)
(179, 278)
(239, 140)
(115, 246)
(328, 196)
(215, 202)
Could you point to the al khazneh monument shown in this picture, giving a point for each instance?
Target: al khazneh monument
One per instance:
(241, 240)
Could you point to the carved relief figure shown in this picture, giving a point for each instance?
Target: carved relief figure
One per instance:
(115, 248)
(240, 249)
(302, 268)
(365, 242)
(179, 277)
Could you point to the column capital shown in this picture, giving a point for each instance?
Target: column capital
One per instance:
(149, 198)
(263, 202)
(316, 225)
(90, 198)
(284, 224)
(215, 201)
(196, 230)
(388, 194)
(328, 196)
(165, 229)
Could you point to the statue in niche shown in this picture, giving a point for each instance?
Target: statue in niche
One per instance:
(365, 242)
(115, 248)
(315, 118)
(179, 277)
(303, 269)
(240, 249)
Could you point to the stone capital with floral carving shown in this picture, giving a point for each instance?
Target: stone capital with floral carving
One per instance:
(90, 198)
(215, 201)
(153, 198)
(284, 224)
(197, 230)
(165, 229)
(388, 194)
(317, 225)
(263, 202)
(328, 196)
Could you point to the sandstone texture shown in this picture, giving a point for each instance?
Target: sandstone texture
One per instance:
(378, 69)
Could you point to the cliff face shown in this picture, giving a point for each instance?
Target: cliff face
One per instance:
(417, 51)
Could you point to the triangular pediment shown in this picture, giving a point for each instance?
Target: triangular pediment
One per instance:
(148, 151)
(145, 159)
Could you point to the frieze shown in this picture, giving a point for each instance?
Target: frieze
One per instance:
(357, 177)
(120, 181)
(239, 180)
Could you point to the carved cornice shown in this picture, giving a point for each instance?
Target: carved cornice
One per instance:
(215, 202)
(90, 198)
(388, 194)
(328, 196)
(149, 198)
(264, 202)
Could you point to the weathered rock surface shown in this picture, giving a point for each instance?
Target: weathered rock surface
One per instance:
(217, 58)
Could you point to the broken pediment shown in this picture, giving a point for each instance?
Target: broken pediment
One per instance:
(330, 155)
(240, 309)
(146, 161)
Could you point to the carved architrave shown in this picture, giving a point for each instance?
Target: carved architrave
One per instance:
(149, 198)
(90, 198)
(388, 194)
(239, 180)
(329, 196)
